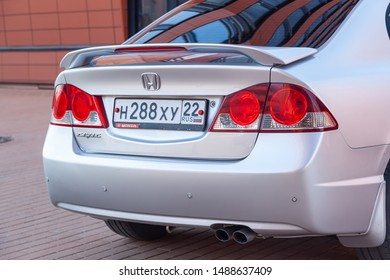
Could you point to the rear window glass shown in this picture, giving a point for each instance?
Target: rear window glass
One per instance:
(260, 23)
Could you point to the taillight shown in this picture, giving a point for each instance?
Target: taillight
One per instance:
(60, 103)
(241, 111)
(288, 106)
(275, 107)
(292, 108)
(74, 107)
(82, 106)
(244, 108)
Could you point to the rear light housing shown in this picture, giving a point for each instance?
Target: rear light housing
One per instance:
(74, 107)
(273, 107)
(241, 111)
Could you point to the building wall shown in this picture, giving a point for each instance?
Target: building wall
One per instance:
(34, 33)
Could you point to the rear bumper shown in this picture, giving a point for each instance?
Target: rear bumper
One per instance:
(290, 185)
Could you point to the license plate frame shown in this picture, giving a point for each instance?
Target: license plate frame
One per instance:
(160, 114)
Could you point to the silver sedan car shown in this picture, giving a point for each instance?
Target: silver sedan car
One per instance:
(254, 118)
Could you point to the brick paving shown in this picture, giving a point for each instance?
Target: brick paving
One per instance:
(32, 228)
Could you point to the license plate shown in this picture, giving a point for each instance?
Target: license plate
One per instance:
(165, 114)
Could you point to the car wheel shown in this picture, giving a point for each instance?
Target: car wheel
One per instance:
(382, 252)
(137, 231)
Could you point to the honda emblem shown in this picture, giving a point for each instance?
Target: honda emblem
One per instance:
(151, 81)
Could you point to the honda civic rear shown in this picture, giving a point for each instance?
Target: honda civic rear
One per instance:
(251, 136)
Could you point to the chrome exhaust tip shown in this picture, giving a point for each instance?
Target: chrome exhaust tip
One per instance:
(244, 235)
(225, 234)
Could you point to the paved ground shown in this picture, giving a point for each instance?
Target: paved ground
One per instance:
(31, 228)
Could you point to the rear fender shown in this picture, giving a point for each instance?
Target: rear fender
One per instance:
(376, 233)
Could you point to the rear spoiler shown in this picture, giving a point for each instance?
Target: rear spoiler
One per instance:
(268, 56)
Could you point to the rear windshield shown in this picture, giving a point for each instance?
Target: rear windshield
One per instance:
(290, 23)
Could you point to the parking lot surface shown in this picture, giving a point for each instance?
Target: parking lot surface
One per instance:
(32, 228)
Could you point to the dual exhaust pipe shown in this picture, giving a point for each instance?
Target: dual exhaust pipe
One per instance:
(240, 234)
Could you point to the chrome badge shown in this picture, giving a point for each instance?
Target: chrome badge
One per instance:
(151, 81)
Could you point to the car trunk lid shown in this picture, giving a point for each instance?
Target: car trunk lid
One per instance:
(182, 81)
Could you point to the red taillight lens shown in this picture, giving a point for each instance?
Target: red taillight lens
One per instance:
(82, 106)
(244, 108)
(288, 106)
(60, 103)
(74, 107)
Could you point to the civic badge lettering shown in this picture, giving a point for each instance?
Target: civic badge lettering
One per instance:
(88, 135)
(151, 81)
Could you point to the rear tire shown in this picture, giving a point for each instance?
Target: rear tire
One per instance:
(136, 230)
(382, 252)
